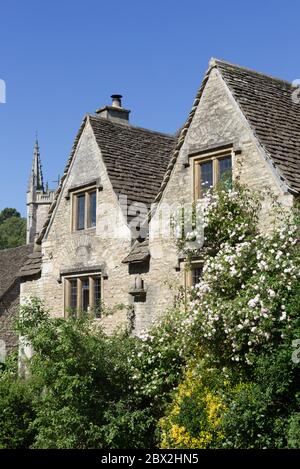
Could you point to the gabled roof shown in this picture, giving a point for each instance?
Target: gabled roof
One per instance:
(11, 261)
(139, 162)
(274, 117)
(136, 160)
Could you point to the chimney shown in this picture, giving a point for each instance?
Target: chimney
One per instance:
(115, 112)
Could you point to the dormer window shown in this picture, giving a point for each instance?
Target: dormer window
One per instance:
(84, 209)
(209, 170)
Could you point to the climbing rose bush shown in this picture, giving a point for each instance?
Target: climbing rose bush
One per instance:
(242, 296)
(157, 358)
(248, 276)
(223, 215)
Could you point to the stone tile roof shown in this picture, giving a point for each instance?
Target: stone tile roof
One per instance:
(139, 252)
(33, 264)
(136, 159)
(267, 104)
(11, 261)
(272, 114)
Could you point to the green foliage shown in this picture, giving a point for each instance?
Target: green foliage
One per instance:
(12, 228)
(16, 410)
(193, 418)
(7, 213)
(217, 371)
(293, 433)
(259, 408)
(84, 397)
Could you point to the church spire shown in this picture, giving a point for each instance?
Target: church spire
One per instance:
(39, 197)
(36, 176)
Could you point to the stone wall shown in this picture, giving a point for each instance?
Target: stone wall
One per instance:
(38, 204)
(9, 307)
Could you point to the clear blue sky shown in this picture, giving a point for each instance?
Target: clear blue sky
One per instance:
(61, 59)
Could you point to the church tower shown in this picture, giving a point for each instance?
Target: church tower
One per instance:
(39, 198)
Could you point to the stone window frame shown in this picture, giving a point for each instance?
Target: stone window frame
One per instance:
(214, 155)
(195, 264)
(79, 277)
(75, 194)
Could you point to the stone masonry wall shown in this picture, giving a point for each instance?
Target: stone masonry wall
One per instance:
(9, 307)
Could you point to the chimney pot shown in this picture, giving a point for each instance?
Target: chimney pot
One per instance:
(116, 100)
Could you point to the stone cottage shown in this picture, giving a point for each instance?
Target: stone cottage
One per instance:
(106, 237)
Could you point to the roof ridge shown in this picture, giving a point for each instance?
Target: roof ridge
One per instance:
(16, 247)
(214, 63)
(135, 127)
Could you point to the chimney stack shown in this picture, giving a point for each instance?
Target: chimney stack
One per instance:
(115, 112)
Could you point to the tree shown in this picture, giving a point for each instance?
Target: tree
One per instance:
(12, 228)
(8, 213)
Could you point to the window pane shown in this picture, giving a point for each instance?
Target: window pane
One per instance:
(97, 297)
(73, 295)
(225, 170)
(206, 172)
(85, 288)
(93, 208)
(80, 211)
(196, 275)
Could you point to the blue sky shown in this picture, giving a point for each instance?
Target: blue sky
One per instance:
(62, 59)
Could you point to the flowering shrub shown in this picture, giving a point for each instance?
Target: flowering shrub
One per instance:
(240, 324)
(243, 294)
(223, 215)
(157, 359)
(193, 420)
